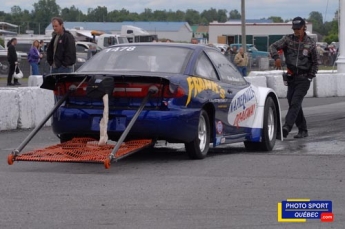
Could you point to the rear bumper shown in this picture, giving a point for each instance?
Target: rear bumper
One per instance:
(173, 125)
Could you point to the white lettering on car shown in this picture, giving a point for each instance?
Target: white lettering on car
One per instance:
(120, 49)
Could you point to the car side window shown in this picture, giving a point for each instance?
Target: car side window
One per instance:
(205, 68)
(227, 71)
(80, 48)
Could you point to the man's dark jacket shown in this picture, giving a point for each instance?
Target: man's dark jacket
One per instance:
(300, 56)
(65, 54)
(11, 54)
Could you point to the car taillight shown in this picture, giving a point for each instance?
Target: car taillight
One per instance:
(62, 88)
(173, 91)
(140, 90)
(126, 90)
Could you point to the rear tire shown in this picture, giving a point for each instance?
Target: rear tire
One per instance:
(269, 132)
(65, 137)
(198, 148)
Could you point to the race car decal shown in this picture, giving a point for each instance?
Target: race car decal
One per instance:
(120, 49)
(197, 85)
(243, 107)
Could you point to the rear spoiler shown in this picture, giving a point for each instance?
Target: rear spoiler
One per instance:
(50, 81)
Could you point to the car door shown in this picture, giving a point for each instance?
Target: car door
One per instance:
(234, 85)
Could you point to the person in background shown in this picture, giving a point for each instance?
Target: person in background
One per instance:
(194, 41)
(34, 57)
(42, 48)
(228, 52)
(320, 53)
(233, 52)
(12, 61)
(61, 53)
(241, 61)
(301, 60)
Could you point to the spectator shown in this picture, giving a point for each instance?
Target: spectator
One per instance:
(42, 48)
(34, 57)
(12, 61)
(332, 53)
(320, 53)
(227, 53)
(241, 61)
(194, 41)
(61, 53)
(233, 52)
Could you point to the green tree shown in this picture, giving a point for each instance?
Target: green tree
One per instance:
(192, 17)
(97, 15)
(72, 14)
(234, 14)
(222, 15)
(160, 15)
(317, 20)
(210, 15)
(43, 12)
(333, 34)
(147, 15)
(276, 19)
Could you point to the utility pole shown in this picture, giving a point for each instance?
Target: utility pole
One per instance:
(243, 21)
(341, 59)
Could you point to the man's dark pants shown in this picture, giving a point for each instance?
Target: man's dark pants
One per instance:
(11, 70)
(297, 89)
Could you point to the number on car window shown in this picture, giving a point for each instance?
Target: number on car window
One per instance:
(120, 49)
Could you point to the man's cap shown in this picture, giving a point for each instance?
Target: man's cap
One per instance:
(297, 23)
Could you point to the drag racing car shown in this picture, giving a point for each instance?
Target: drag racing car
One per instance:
(194, 96)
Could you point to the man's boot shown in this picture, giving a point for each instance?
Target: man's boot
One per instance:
(301, 134)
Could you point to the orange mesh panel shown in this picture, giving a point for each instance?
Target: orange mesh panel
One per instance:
(81, 150)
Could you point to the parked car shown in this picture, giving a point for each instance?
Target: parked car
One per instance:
(85, 50)
(198, 97)
(255, 54)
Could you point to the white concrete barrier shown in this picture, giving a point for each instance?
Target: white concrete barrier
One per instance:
(277, 84)
(340, 84)
(9, 109)
(34, 104)
(35, 80)
(257, 80)
(325, 85)
(24, 107)
(266, 73)
(44, 104)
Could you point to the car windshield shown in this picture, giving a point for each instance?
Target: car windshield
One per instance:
(138, 58)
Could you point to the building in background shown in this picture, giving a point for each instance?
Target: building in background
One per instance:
(175, 31)
(8, 29)
(261, 33)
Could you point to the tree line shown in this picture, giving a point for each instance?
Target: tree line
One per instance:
(43, 10)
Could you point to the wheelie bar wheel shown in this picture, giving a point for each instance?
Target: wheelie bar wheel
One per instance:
(107, 163)
(10, 159)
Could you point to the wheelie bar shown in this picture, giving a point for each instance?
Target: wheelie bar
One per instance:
(17, 151)
(112, 156)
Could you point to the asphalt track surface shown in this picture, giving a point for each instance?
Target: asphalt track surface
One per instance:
(161, 188)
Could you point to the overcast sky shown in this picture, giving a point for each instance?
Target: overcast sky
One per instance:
(255, 9)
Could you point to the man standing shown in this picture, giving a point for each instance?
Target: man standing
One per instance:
(241, 61)
(61, 52)
(12, 61)
(302, 65)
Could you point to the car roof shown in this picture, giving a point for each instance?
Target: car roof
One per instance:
(164, 44)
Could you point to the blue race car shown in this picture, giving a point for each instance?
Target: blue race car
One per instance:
(200, 98)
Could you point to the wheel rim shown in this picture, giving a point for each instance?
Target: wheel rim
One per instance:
(270, 124)
(202, 133)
